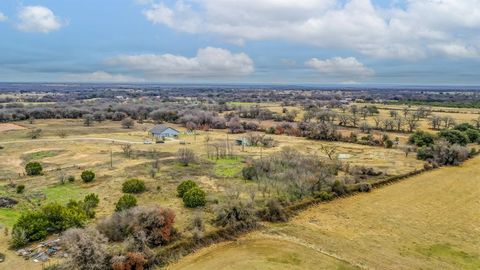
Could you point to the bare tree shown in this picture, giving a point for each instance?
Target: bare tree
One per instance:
(185, 156)
(435, 121)
(330, 150)
(128, 123)
(412, 123)
(127, 150)
(477, 122)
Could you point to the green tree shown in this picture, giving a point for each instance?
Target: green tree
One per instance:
(133, 186)
(33, 168)
(87, 176)
(125, 202)
(195, 197)
(184, 187)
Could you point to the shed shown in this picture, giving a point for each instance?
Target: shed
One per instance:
(162, 131)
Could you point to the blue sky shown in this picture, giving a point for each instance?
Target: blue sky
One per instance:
(432, 42)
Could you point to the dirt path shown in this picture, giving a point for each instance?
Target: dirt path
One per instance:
(78, 139)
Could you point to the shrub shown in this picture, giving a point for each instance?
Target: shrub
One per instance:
(91, 200)
(87, 176)
(185, 156)
(454, 137)
(473, 135)
(33, 168)
(236, 215)
(51, 218)
(443, 153)
(19, 238)
(249, 173)
(155, 224)
(364, 187)
(87, 249)
(125, 202)
(464, 127)
(274, 212)
(184, 187)
(388, 143)
(194, 197)
(339, 188)
(325, 195)
(20, 189)
(133, 186)
(421, 138)
(71, 178)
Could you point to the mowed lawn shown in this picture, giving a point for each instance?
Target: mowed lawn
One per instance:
(431, 221)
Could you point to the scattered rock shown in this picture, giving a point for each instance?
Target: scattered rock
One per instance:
(6, 202)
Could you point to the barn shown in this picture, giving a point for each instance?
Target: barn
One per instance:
(162, 131)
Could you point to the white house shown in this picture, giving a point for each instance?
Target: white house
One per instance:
(162, 131)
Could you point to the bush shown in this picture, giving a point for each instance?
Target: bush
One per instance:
(19, 238)
(195, 197)
(388, 143)
(125, 202)
(91, 200)
(87, 249)
(133, 186)
(443, 153)
(184, 187)
(87, 176)
(186, 156)
(464, 127)
(236, 215)
(473, 135)
(33, 168)
(421, 138)
(454, 137)
(51, 218)
(249, 173)
(20, 189)
(325, 195)
(274, 212)
(339, 188)
(71, 178)
(155, 224)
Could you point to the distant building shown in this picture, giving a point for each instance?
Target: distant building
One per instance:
(162, 131)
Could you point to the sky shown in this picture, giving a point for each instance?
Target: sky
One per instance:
(351, 42)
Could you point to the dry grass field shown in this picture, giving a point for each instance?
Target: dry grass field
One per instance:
(330, 236)
(430, 221)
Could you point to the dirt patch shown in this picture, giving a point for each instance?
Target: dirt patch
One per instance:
(9, 126)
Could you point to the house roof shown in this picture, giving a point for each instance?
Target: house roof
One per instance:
(160, 129)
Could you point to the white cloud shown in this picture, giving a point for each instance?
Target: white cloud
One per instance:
(3, 17)
(411, 31)
(338, 67)
(208, 63)
(100, 76)
(38, 19)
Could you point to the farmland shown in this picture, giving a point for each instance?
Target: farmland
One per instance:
(426, 222)
(246, 166)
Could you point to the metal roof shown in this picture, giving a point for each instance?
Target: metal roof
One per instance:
(159, 129)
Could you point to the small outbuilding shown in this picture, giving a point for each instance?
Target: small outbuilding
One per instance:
(162, 131)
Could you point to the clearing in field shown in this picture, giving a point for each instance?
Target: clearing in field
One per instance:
(430, 221)
(9, 126)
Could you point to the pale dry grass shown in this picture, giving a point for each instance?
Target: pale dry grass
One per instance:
(426, 222)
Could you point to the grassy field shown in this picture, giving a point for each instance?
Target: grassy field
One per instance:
(427, 222)
(67, 147)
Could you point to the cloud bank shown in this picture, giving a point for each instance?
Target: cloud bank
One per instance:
(406, 30)
(209, 62)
